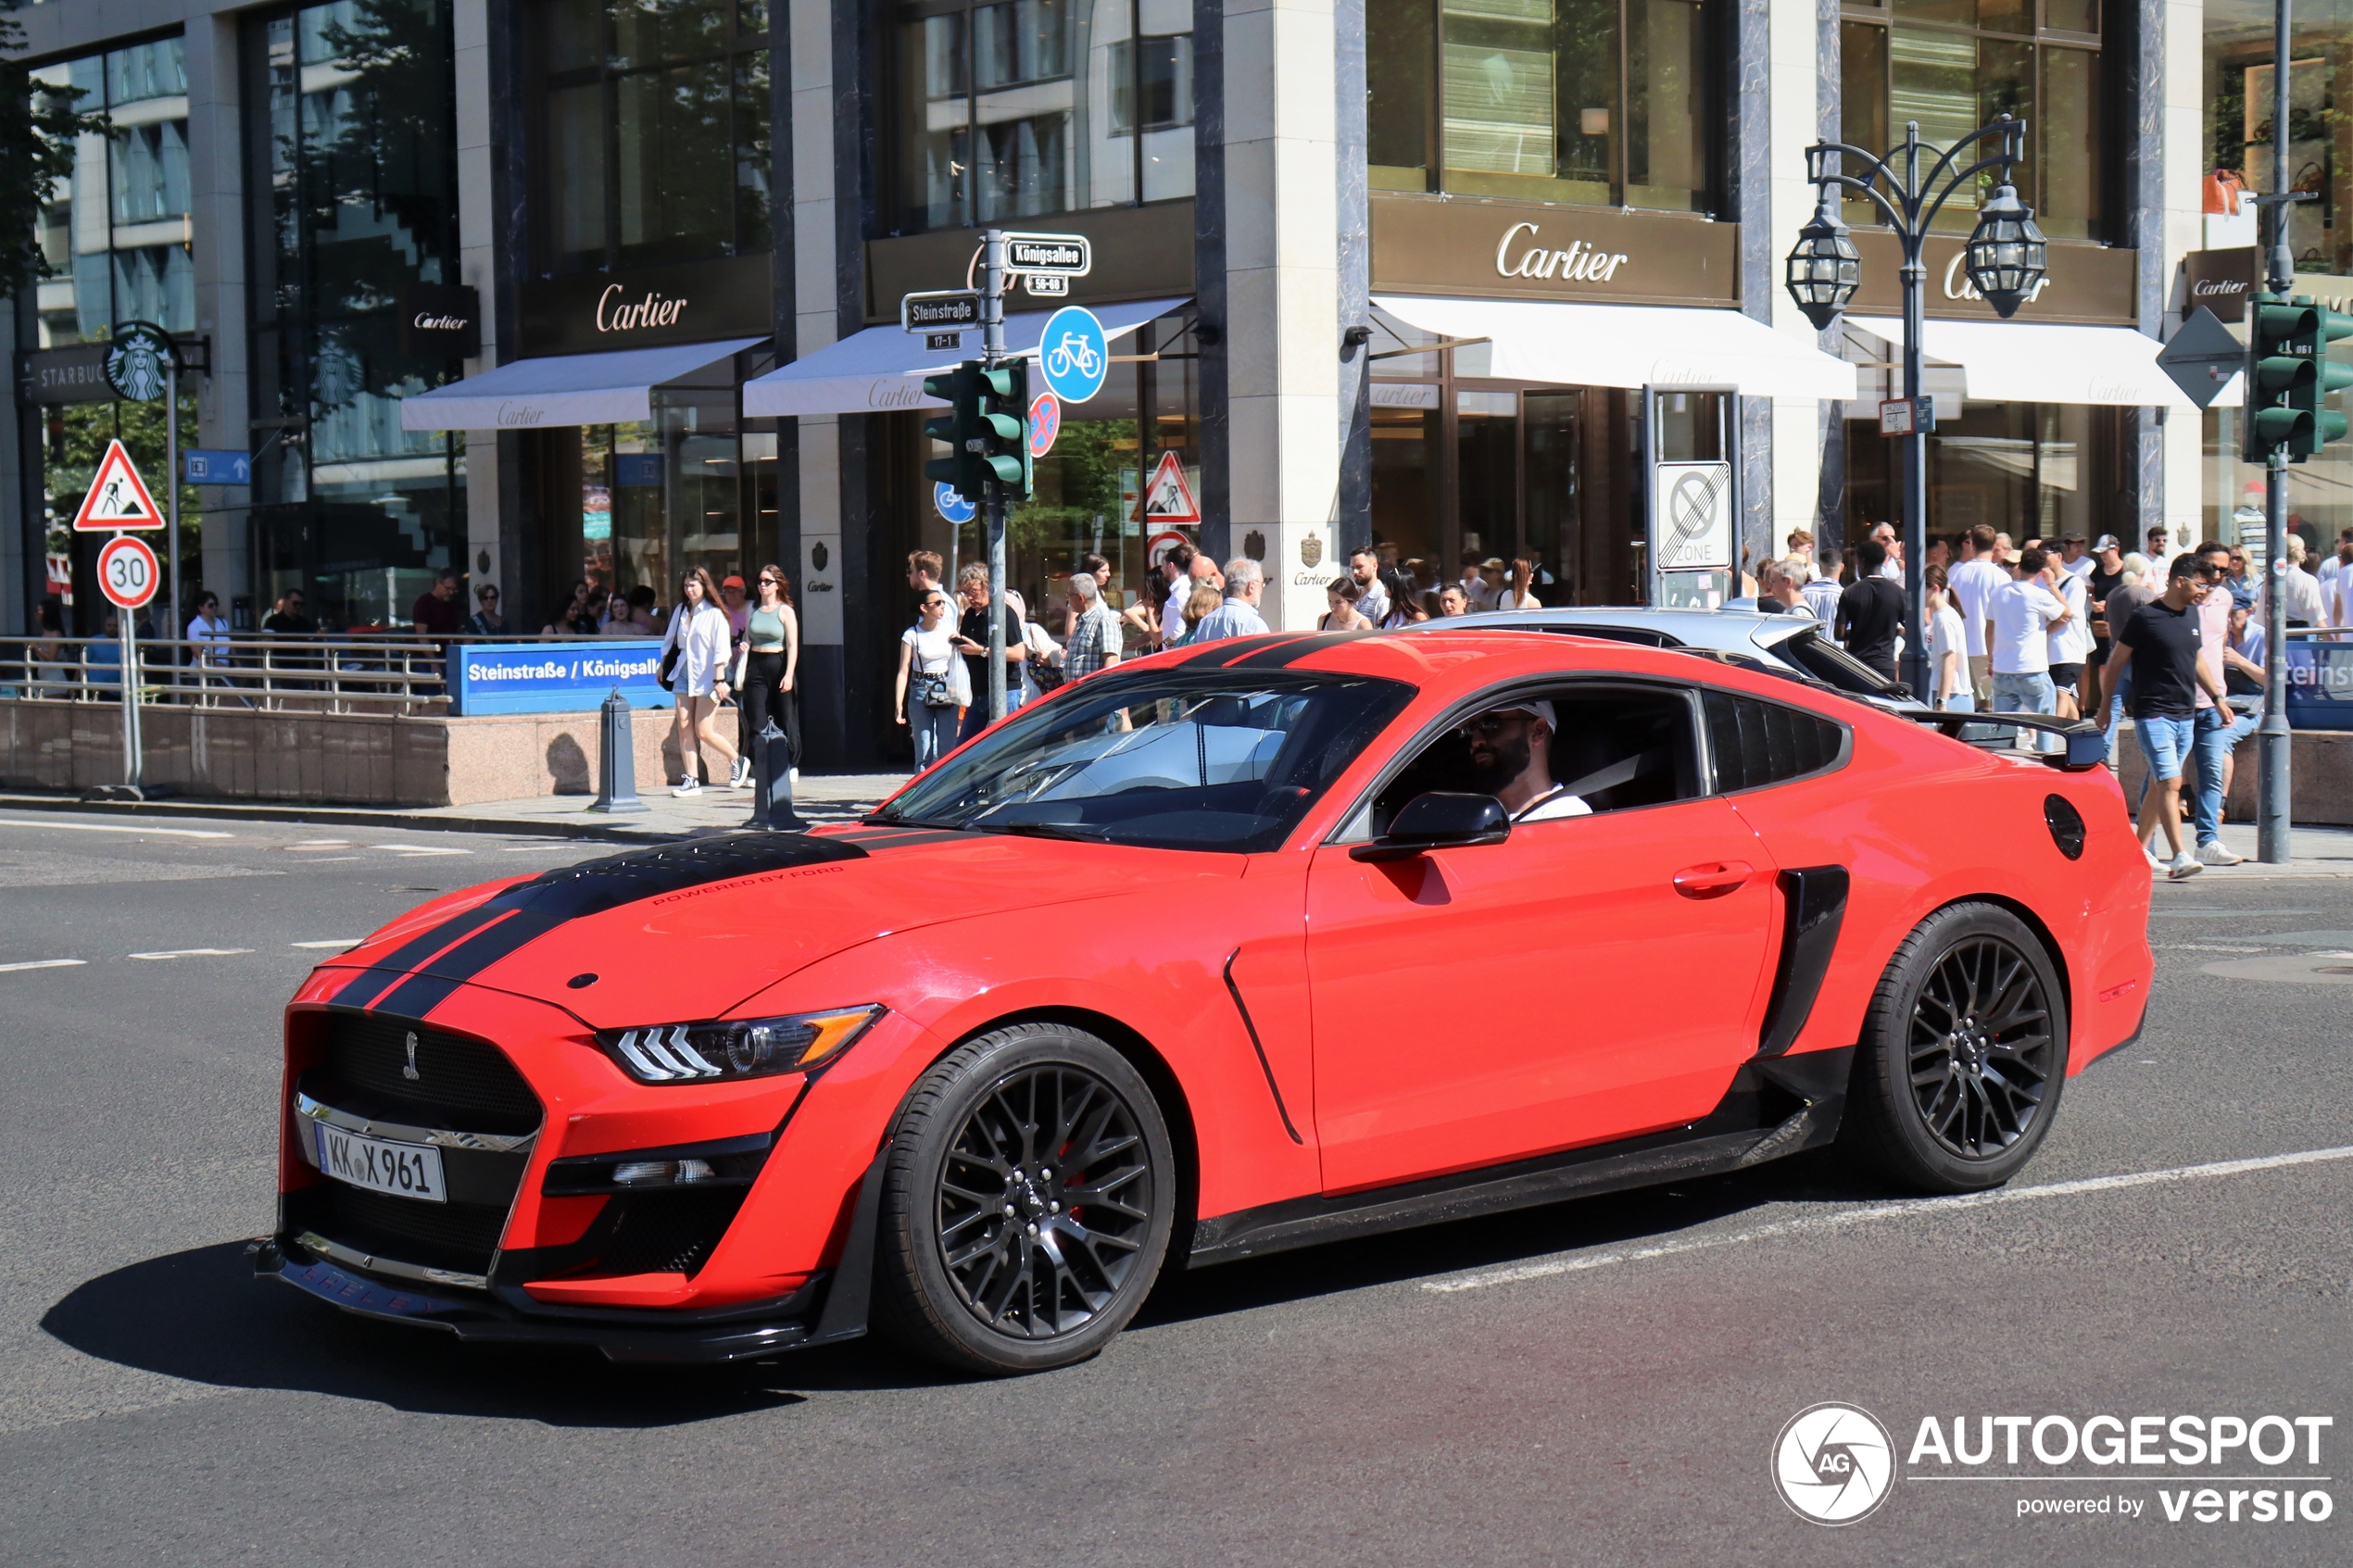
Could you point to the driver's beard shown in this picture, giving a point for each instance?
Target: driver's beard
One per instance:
(1507, 761)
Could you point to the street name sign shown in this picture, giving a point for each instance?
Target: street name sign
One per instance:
(1072, 256)
(940, 310)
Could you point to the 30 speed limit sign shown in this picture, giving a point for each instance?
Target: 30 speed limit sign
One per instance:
(127, 571)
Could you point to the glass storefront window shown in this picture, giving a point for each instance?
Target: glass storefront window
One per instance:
(2032, 471)
(1020, 108)
(653, 132)
(2238, 89)
(1953, 65)
(354, 199)
(1610, 102)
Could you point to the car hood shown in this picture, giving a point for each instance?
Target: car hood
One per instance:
(689, 931)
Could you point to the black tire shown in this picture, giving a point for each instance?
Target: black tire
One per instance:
(992, 1254)
(1963, 1054)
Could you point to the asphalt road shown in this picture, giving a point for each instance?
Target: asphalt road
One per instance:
(1598, 1381)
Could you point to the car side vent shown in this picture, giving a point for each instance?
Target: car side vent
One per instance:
(2066, 824)
(1754, 743)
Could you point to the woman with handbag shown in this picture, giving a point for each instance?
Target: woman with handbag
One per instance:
(767, 660)
(930, 676)
(693, 665)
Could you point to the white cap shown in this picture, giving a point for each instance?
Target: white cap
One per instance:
(1537, 707)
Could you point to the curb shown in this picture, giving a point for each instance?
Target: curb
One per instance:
(329, 816)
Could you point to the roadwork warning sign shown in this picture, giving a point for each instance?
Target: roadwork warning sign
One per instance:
(118, 497)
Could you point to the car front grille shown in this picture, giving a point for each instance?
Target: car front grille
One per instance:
(457, 1236)
(463, 1084)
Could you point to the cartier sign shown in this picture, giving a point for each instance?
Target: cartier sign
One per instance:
(1470, 245)
(2221, 280)
(2086, 284)
(642, 307)
(440, 319)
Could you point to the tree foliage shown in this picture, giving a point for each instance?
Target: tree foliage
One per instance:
(37, 134)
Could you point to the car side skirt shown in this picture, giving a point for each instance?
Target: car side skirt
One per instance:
(1776, 1106)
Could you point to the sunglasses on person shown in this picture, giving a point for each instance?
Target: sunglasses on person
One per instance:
(1488, 725)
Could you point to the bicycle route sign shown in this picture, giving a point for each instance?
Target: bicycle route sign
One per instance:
(1074, 354)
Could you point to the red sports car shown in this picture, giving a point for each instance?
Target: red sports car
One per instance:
(1233, 949)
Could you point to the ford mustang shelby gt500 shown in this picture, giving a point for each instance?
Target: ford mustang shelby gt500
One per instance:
(1233, 949)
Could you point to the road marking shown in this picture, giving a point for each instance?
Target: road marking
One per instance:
(195, 953)
(1928, 1206)
(418, 849)
(42, 963)
(336, 942)
(110, 827)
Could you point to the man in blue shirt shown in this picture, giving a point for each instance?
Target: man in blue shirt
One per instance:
(1238, 617)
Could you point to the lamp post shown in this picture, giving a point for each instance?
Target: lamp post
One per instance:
(2006, 260)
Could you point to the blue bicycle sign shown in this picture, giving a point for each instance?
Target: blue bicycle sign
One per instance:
(951, 506)
(1074, 354)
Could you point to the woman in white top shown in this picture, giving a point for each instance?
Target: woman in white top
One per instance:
(1948, 646)
(929, 671)
(698, 631)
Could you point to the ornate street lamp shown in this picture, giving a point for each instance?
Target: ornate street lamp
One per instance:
(2005, 257)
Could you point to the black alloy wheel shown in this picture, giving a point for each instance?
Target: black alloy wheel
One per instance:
(1027, 1202)
(1963, 1054)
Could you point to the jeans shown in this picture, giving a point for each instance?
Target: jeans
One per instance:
(935, 731)
(2219, 733)
(2026, 693)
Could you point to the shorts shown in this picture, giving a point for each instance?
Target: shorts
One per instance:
(2165, 744)
(2067, 677)
(2099, 652)
(1980, 678)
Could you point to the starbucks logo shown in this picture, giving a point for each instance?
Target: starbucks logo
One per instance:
(137, 360)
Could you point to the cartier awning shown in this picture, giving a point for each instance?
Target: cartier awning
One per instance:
(882, 368)
(1577, 345)
(2039, 362)
(565, 389)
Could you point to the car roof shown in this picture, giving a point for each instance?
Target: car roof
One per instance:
(1444, 659)
(1733, 629)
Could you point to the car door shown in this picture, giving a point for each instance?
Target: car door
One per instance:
(1589, 978)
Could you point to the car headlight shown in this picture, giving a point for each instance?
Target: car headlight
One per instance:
(734, 1049)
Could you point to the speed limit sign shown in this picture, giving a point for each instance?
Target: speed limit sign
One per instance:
(127, 571)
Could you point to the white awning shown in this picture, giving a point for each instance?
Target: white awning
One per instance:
(2037, 362)
(883, 368)
(1576, 344)
(564, 389)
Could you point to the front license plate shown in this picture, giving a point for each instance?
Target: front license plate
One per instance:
(404, 1170)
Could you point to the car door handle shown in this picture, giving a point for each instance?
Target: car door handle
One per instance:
(1713, 881)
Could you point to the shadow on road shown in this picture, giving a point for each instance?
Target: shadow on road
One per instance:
(202, 1316)
(1501, 1240)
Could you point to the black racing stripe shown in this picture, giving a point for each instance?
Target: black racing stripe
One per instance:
(1297, 648)
(462, 947)
(373, 982)
(1228, 651)
(909, 841)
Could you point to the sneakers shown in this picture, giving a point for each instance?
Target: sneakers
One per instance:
(740, 775)
(2184, 865)
(691, 787)
(2149, 854)
(2213, 853)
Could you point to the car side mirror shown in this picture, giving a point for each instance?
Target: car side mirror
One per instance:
(1438, 819)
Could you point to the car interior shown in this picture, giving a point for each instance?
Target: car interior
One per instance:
(1618, 747)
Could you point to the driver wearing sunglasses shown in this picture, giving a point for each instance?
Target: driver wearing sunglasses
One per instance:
(1511, 760)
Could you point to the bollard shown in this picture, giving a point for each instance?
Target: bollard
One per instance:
(616, 757)
(771, 782)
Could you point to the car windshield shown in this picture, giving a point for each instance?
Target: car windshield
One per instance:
(1166, 758)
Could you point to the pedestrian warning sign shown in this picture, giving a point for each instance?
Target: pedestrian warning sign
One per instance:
(1167, 498)
(118, 497)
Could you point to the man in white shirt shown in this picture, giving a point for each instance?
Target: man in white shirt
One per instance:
(2301, 591)
(2161, 551)
(1972, 585)
(2336, 583)
(1511, 760)
(2019, 617)
(1822, 594)
(1473, 582)
(2070, 641)
(1238, 617)
(1894, 565)
(1373, 599)
(2075, 558)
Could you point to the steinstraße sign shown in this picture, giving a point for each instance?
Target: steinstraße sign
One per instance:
(553, 677)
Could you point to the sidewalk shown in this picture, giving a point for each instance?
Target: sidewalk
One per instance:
(817, 798)
(2315, 851)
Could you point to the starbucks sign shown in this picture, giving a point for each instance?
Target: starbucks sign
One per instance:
(137, 361)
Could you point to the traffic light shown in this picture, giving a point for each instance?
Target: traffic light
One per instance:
(961, 470)
(2319, 328)
(1003, 418)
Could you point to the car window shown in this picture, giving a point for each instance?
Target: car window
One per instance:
(1172, 759)
(1753, 743)
(1612, 747)
(1831, 664)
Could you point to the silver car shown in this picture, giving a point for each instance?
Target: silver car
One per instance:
(1784, 644)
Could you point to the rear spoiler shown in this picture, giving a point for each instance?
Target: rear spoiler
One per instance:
(2086, 742)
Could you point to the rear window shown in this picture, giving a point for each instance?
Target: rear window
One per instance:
(1832, 665)
(1753, 743)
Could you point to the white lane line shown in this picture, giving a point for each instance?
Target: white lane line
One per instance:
(42, 963)
(110, 827)
(1926, 1206)
(322, 843)
(338, 941)
(195, 953)
(418, 849)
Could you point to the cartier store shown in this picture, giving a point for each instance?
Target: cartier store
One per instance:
(1532, 364)
(626, 399)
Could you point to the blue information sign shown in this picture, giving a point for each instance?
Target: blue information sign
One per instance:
(218, 467)
(951, 504)
(1074, 354)
(553, 677)
(2320, 685)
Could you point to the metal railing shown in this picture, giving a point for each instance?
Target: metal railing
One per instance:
(378, 674)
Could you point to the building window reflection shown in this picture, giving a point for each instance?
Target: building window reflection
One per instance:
(117, 231)
(1020, 108)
